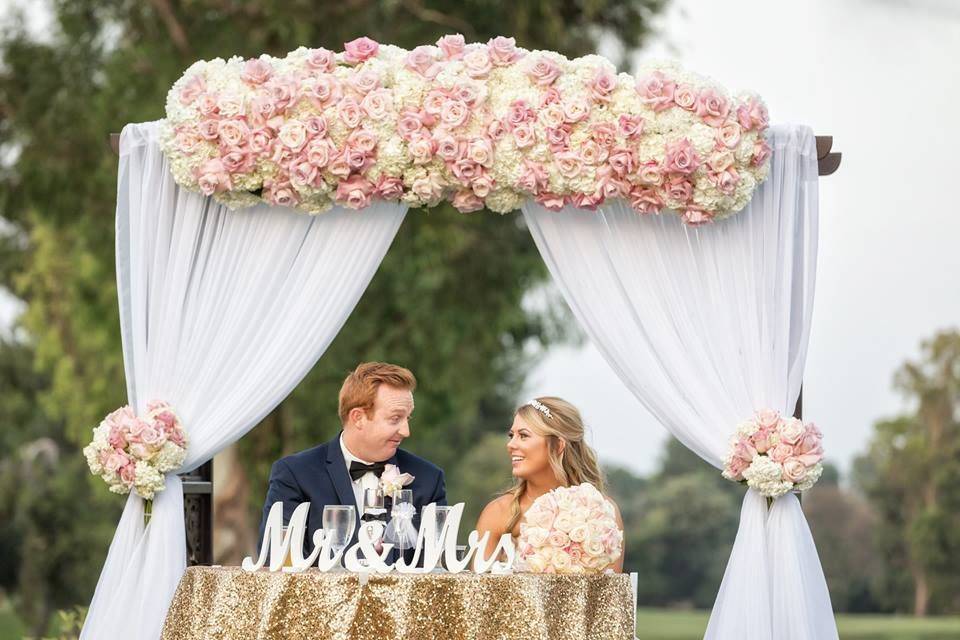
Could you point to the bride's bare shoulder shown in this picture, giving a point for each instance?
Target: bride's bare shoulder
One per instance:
(496, 514)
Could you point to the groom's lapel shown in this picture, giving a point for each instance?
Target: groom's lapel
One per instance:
(337, 468)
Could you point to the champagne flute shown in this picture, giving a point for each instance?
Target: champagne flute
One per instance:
(442, 513)
(339, 521)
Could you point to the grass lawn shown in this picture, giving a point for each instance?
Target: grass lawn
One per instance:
(662, 624)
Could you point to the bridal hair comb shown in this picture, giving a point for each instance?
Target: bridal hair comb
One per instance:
(542, 408)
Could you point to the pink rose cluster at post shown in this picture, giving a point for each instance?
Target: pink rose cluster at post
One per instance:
(481, 125)
(569, 530)
(132, 453)
(775, 455)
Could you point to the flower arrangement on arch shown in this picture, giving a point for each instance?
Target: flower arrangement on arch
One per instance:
(775, 455)
(569, 530)
(481, 125)
(132, 453)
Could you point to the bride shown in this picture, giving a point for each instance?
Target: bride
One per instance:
(547, 450)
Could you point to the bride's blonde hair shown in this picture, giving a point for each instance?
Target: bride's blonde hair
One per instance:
(573, 463)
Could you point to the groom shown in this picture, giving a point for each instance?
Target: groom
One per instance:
(376, 401)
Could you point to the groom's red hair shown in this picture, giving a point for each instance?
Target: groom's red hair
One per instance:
(360, 387)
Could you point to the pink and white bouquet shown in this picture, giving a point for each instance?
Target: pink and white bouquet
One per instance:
(775, 455)
(481, 125)
(132, 453)
(569, 530)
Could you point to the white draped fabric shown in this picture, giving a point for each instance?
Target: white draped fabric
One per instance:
(222, 313)
(705, 325)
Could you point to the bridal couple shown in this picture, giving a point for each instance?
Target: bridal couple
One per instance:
(545, 444)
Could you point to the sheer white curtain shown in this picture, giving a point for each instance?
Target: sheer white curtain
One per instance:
(222, 313)
(705, 325)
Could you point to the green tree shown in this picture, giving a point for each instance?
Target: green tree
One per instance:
(911, 473)
(448, 301)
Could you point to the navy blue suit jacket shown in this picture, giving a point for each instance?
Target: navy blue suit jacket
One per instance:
(319, 476)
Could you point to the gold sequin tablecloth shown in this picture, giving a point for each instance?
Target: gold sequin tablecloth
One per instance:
(229, 603)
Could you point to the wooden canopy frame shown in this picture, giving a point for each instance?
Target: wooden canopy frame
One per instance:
(198, 484)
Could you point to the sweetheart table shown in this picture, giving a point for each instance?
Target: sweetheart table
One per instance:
(230, 603)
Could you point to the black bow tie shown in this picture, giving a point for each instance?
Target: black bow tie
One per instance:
(358, 469)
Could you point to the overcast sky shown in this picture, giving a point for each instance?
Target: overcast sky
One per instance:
(881, 77)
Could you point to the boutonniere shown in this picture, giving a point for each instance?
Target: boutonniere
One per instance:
(392, 480)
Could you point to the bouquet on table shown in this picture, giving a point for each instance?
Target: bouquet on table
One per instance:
(569, 530)
(132, 453)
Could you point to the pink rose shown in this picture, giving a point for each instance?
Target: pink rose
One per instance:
(604, 134)
(377, 104)
(609, 185)
(681, 157)
(321, 60)
(729, 135)
(781, 452)
(480, 150)
(550, 96)
(551, 116)
(465, 170)
(117, 437)
(543, 71)
(362, 140)
(496, 130)
(558, 539)
(256, 71)
(304, 174)
(685, 97)
(736, 467)
(188, 140)
(679, 189)
(656, 90)
(360, 49)
(534, 178)
(357, 160)
(209, 129)
(622, 160)
(761, 151)
(454, 113)
(422, 148)
(550, 201)
(319, 153)
(293, 135)
(589, 201)
(794, 470)
(761, 439)
(575, 110)
(237, 160)
(694, 215)
(207, 105)
(448, 147)
(810, 443)
(465, 201)
(422, 61)
(350, 113)
(365, 81)
(355, 193)
(192, 89)
(503, 50)
(339, 164)
(433, 103)
(602, 84)
(115, 461)
(282, 90)
(261, 109)
(559, 138)
(645, 200)
(280, 193)
(753, 115)
(140, 450)
(409, 124)
(523, 135)
(518, 112)
(591, 153)
(477, 63)
(482, 185)
(568, 164)
(451, 46)
(177, 437)
(650, 173)
(712, 107)
(316, 126)
(471, 94)
(233, 133)
(389, 188)
(128, 474)
(428, 189)
(744, 450)
(726, 181)
(153, 437)
(630, 126)
(792, 431)
(213, 177)
(324, 91)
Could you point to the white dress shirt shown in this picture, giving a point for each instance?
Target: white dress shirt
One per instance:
(369, 480)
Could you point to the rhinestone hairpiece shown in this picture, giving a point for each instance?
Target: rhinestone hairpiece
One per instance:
(542, 408)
